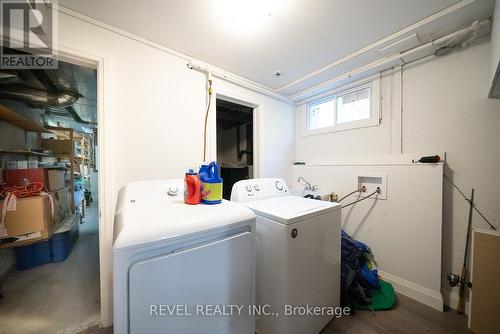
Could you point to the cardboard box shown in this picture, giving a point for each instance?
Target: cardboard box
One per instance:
(22, 164)
(11, 165)
(56, 249)
(57, 146)
(56, 180)
(32, 164)
(28, 239)
(18, 177)
(31, 222)
(62, 205)
(17, 164)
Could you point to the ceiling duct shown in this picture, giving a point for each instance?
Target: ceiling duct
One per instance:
(63, 117)
(72, 112)
(39, 97)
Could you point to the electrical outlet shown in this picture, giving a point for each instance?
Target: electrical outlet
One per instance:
(372, 182)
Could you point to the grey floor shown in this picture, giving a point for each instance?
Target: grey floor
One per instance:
(58, 297)
(409, 317)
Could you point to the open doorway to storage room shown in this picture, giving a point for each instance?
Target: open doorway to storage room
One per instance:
(234, 143)
(49, 248)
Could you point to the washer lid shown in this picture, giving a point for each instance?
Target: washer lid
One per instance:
(143, 224)
(291, 209)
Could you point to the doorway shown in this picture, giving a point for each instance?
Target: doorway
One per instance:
(53, 284)
(235, 143)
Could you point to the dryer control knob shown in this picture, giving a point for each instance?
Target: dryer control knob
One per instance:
(249, 188)
(279, 185)
(256, 187)
(172, 191)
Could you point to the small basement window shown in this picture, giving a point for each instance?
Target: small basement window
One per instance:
(348, 109)
(322, 114)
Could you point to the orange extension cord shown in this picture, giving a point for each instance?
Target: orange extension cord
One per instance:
(32, 189)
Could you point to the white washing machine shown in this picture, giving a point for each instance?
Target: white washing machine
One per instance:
(298, 255)
(172, 260)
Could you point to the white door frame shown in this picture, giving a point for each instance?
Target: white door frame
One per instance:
(106, 208)
(101, 64)
(234, 98)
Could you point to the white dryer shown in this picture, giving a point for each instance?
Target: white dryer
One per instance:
(171, 260)
(298, 255)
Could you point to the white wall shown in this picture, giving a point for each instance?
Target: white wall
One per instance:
(154, 113)
(445, 109)
(495, 39)
(403, 231)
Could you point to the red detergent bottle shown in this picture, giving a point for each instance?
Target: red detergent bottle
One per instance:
(192, 188)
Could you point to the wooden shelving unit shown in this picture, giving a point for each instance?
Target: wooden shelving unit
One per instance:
(85, 156)
(24, 152)
(74, 147)
(26, 124)
(20, 121)
(64, 133)
(65, 148)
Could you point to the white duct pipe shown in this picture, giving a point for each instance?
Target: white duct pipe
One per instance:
(199, 68)
(237, 81)
(379, 63)
(458, 6)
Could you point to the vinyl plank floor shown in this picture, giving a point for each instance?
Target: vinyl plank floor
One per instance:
(409, 317)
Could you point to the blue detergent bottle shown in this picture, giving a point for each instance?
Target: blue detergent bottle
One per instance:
(211, 183)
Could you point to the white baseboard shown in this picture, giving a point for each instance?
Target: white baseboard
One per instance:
(414, 291)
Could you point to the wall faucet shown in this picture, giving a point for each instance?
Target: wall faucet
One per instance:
(307, 185)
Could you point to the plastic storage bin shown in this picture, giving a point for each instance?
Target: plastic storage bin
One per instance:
(56, 249)
(33, 255)
(63, 240)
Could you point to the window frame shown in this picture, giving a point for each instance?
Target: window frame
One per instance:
(374, 120)
(317, 102)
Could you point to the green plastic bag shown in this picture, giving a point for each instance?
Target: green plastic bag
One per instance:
(383, 298)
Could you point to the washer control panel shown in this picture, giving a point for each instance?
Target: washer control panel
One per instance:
(255, 189)
(149, 192)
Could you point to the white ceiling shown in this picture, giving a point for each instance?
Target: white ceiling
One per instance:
(295, 36)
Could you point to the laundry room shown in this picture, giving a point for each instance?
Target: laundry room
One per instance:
(234, 166)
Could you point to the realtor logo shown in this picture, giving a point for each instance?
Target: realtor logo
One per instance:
(28, 34)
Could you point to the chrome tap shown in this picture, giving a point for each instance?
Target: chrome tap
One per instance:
(307, 185)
